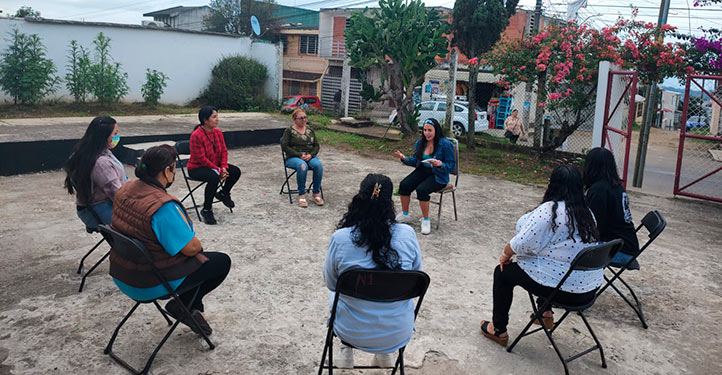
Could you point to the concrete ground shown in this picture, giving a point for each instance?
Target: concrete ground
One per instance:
(269, 316)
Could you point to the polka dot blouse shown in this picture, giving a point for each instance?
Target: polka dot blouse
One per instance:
(546, 255)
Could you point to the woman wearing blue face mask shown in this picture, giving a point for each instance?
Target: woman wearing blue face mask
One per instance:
(94, 174)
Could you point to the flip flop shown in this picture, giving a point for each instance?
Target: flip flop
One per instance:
(503, 341)
(302, 202)
(317, 200)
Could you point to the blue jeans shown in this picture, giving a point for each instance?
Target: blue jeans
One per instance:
(104, 210)
(621, 258)
(302, 168)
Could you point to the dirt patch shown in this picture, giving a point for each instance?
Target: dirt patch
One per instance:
(269, 316)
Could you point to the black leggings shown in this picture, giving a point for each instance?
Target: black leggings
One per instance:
(210, 275)
(422, 180)
(513, 275)
(212, 180)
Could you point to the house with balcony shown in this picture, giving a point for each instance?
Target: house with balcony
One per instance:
(303, 68)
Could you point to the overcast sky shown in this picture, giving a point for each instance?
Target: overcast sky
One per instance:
(598, 13)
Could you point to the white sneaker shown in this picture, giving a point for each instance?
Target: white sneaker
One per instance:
(425, 226)
(401, 218)
(345, 357)
(384, 360)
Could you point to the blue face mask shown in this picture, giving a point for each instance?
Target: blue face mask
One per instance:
(114, 141)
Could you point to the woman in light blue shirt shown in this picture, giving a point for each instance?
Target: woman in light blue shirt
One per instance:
(547, 241)
(369, 237)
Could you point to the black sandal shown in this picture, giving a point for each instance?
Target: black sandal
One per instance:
(503, 341)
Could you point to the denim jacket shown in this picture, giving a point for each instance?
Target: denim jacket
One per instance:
(445, 153)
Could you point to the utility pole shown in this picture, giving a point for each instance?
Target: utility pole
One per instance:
(651, 105)
(539, 112)
(451, 90)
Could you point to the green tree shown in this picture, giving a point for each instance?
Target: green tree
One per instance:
(237, 83)
(477, 25)
(25, 73)
(27, 12)
(233, 16)
(78, 79)
(155, 83)
(400, 38)
(108, 81)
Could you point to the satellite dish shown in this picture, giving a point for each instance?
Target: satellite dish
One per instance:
(255, 25)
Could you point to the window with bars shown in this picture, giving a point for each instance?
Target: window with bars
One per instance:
(308, 45)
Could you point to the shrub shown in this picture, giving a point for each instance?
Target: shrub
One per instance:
(108, 82)
(236, 83)
(78, 78)
(153, 87)
(25, 74)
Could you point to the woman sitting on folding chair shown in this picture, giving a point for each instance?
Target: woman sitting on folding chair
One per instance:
(301, 147)
(369, 237)
(609, 202)
(145, 211)
(547, 240)
(209, 162)
(95, 172)
(433, 160)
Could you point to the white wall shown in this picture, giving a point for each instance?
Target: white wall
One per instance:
(185, 57)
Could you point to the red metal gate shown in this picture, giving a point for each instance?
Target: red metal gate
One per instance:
(621, 92)
(699, 158)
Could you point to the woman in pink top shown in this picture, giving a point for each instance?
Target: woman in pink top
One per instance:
(94, 174)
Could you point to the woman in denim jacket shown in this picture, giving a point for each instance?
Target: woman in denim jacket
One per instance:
(433, 160)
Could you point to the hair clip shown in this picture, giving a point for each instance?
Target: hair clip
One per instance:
(377, 191)
(144, 166)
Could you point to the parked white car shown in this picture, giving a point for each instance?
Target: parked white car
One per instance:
(437, 110)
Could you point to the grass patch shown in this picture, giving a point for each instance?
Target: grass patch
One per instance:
(507, 165)
(91, 109)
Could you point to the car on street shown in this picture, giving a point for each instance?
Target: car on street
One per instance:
(294, 101)
(437, 110)
(697, 122)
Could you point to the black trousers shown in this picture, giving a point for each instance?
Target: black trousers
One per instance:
(211, 274)
(513, 275)
(422, 180)
(212, 180)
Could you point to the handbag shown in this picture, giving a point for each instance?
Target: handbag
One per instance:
(508, 134)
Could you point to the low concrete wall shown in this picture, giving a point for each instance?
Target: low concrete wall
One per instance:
(186, 57)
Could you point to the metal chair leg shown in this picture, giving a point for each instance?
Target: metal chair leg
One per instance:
(86, 274)
(162, 313)
(453, 198)
(325, 350)
(438, 216)
(82, 260)
(638, 308)
(599, 345)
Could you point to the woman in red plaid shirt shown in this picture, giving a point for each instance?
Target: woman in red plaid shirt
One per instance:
(209, 162)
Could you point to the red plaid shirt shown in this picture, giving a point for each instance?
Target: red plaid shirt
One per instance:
(208, 150)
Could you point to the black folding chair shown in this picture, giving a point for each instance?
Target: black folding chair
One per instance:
(286, 187)
(81, 267)
(590, 259)
(376, 286)
(655, 224)
(132, 250)
(184, 148)
(449, 188)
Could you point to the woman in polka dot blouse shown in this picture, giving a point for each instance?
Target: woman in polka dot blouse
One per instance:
(547, 240)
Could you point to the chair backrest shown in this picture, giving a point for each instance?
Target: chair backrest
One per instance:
(125, 247)
(382, 285)
(182, 148)
(654, 223)
(595, 257)
(456, 158)
(283, 153)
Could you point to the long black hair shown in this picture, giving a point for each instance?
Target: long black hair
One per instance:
(85, 153)
(372, 213)
(600, 165)
(438, 134)
(204, 114)
(154, 161)
(565, 185)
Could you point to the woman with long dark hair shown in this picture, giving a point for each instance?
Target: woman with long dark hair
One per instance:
(609, 202)
(209, 162)
(95, 172)
(547, 240)
(433, 160)
(369, 237)
(145, 211)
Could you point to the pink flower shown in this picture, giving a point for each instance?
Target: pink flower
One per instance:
(474, 61)
(555, 96)
(541, 67)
